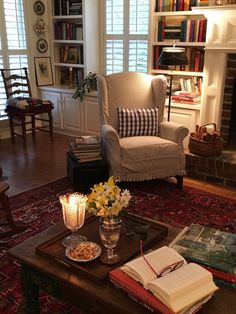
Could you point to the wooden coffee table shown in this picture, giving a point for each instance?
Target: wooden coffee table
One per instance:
(61, 280)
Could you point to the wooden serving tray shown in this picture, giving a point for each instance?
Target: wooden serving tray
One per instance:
(133, 228)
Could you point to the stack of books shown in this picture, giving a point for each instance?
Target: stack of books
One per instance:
(186, 98)
(212, 248)
(164, 282)
(86, 148)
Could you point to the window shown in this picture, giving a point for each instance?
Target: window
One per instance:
(13, 49)
(126, 35)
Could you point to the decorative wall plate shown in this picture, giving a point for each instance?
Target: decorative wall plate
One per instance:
(42, 45)
(39, 7)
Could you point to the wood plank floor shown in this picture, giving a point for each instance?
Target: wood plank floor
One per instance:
(44, 161)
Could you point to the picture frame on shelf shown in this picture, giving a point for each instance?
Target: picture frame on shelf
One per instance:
(71, 55)
(43, 71)
(39, 7)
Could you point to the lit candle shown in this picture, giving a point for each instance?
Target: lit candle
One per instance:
(73, 206)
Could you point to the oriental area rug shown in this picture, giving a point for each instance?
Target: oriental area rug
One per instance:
(39, 208)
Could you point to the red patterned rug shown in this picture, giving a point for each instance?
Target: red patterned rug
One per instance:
(39, 208)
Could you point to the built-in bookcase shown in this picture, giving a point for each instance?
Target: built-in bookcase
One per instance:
(184, 29)
(68, 41)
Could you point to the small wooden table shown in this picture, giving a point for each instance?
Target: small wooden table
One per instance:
(83, 175)
(39, 272)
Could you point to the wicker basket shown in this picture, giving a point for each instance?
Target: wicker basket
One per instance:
(205, 148)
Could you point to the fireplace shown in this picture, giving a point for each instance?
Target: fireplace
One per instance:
(228, 118)
(232, 126)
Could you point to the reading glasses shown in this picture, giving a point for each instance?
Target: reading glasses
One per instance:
(168, 269)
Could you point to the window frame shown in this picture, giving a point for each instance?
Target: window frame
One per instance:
(6, 52)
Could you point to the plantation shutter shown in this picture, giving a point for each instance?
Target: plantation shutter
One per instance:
(126, 35)
(13, 47)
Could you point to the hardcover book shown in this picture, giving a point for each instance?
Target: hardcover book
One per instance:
(211, 247)
(164, 280)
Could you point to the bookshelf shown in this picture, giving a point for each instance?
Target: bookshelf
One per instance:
(68, 41)
(74, 51)
(183, 27)
(73, 23)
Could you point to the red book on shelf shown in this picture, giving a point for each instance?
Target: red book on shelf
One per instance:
(201, 31)
(197, 61)
(137, 292)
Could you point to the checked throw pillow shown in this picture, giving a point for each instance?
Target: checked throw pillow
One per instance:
(137, 122)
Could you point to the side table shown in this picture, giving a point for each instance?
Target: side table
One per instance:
(83, 175)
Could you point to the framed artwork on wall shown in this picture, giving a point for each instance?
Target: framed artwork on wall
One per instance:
(39, 8)
(43, 70)
(42, 45)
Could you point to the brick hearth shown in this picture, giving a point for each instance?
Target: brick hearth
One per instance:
(220, 169)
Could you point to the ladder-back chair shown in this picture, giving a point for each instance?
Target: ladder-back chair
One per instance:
(22, 109)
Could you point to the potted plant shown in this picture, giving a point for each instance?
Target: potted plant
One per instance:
(88, 84)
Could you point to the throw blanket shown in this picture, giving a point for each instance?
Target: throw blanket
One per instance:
(24, 102)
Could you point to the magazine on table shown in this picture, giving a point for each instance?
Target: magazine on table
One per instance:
(210, 247)
(177, 286)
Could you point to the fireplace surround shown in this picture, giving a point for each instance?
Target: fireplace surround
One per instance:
(218, 95)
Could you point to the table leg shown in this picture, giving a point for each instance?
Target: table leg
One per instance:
(30, 290)
(33, 281)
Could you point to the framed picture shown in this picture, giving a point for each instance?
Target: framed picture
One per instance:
(43, 70)
(71, 55)
(39, 8)
(42, 45)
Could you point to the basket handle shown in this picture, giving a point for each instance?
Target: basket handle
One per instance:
(208, 124)
(200, 130)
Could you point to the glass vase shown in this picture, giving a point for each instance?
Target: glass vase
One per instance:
(109, 229)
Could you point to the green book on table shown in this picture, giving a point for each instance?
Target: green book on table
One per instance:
(211, 247)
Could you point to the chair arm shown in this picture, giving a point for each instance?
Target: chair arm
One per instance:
(173, 132)
(111, 143)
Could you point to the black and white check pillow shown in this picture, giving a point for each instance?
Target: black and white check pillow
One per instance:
(137, 122)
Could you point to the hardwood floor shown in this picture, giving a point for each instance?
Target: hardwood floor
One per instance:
(41, 162)
(44, 161)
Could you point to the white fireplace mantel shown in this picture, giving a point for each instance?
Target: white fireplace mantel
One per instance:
(220, 41)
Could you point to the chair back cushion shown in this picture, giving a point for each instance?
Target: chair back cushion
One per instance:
(137, 122)
(129, 90)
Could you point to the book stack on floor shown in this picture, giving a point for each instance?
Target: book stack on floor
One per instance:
(164, 282)
(210, 247)
(86, 148)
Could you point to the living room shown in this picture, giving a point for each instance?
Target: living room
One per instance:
(44, 161)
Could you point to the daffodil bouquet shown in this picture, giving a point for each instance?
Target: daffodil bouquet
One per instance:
(107, 199)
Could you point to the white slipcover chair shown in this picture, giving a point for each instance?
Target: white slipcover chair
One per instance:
(139, 158)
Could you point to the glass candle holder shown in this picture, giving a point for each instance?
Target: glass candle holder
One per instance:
(73, 208)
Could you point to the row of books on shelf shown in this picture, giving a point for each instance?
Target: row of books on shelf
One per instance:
(67, 7)
(71, 54)
(68, 31)
(180, 29)
(86, 148)
(195, 58)
(71, 76)
(178, 5)
(192, 85)
(182, 277)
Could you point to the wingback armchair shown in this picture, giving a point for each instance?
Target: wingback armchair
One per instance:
(130, 104)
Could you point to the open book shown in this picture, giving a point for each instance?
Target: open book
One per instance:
(167, 275)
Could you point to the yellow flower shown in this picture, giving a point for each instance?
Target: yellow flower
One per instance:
(107, 199)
